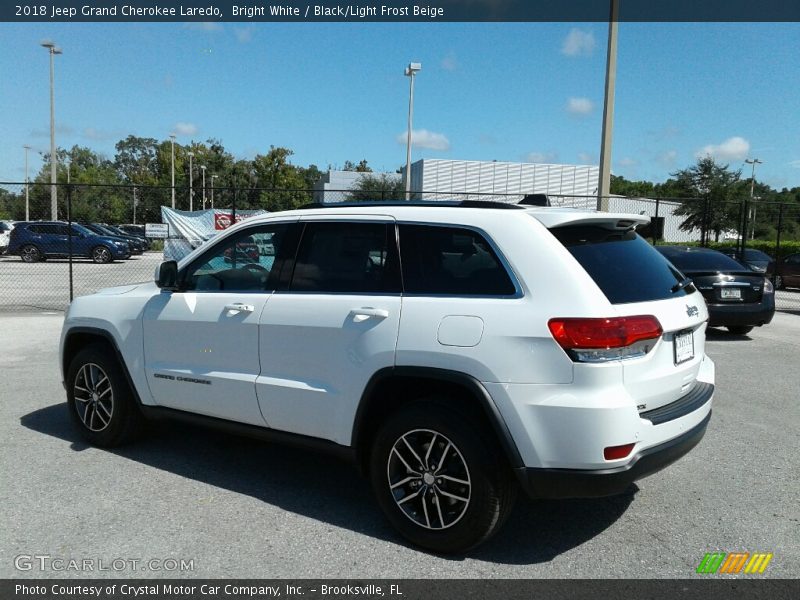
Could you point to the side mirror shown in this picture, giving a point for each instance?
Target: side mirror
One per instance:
(168, 275)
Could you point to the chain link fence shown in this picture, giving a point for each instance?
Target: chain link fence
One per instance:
(65, 265)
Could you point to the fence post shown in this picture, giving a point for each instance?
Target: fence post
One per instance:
(778, 238)
(69, 239)
(704, 225)
(654, 226)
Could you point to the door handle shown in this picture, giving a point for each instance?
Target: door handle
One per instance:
(239, 307)
(367, 312)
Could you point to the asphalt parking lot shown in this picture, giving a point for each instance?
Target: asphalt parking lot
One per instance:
(239, 508)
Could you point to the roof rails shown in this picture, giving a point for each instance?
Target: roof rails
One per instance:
(416, 203)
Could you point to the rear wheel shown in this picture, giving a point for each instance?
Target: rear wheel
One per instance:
(440, 480)
(740, 329)
(100, 400)
(101, 254)
(30, 254)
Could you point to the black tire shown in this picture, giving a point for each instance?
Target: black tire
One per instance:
(98, 393)
(740, 329)
(101, 254)
(489, 496)
(30, 254)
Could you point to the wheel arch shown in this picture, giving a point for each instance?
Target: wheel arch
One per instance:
(78, 338)
(384, 394)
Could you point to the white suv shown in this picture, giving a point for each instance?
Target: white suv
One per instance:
(455, 351)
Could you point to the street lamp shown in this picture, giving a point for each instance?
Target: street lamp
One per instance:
(191, 191)
(411, 70)
(203, 168)
(51, 47)
(213, 177)
(172, 144)
(753, 162)
(27, 186)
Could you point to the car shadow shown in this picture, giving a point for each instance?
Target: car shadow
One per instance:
(329, 490)
(717, 334)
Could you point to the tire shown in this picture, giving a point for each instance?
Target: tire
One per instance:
(101, 254)
(474, 484)
(100, 401)
(30, 254)
(740, 329)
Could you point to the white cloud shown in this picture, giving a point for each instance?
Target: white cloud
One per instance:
(668, 158)
(244, 34)
(579, 106)
(449, 62)
(578, 43)
(185, 129)
(586, 158)
(734, 148)
(541, 157)
(422, 138)
(207, 26)
(627, 162)
(795, 164)
(99, 135)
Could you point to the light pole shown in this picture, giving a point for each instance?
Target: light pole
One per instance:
(411, 70)
(172, 144)
(213, 177)
(191, 190)
(604, 187)
(753, 162)
(51, 48)
(203, 169)
(27, 186)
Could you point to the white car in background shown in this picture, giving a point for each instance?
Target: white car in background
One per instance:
(5, 234)
(456, 352)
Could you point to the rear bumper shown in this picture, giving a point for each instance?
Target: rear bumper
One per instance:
(583, 483)
(721, 315)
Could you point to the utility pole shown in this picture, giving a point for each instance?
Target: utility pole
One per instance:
(134, 205)
(191, 189)
(51, 48)
(172, 145)
(411, 71)
(753, 162)
(27, 186)
(604, 187)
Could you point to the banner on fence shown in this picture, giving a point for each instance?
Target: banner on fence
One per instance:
(190, 229)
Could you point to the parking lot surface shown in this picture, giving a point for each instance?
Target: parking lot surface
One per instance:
(239, 508)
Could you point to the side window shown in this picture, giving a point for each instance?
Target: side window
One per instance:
(62, 230)
(793, 259)
(245, 262)
(35, 229)
(346, 257)
(451, 261)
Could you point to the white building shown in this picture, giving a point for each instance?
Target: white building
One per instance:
(329, 187)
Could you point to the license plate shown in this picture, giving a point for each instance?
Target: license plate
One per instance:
(733, 293)
(684, 347)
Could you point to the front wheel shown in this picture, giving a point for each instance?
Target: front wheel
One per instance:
(101, 254)
(30, 254)
(440, 479)
(100, 401)
(740, 329)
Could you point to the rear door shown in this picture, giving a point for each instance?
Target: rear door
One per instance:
(332, 327)
(637, 280)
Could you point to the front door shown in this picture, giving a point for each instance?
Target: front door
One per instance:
(201, 343)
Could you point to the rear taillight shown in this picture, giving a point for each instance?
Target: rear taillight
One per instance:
(617, 452)
(601, 340)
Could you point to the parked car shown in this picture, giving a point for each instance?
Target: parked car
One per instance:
(5, 235)
(34, 241)
(142, 241)
(755, 259)
(454, 352)
(738, 298)
(787, 272)
(97, 229)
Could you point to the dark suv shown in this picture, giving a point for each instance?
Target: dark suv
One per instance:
(38, 240)
(136, 246)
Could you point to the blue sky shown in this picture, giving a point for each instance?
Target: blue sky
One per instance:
(335, 91)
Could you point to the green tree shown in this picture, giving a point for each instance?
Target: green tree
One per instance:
(377, 187)
(721, 194)
(361, 167)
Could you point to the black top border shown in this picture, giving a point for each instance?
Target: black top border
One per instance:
(394, 11)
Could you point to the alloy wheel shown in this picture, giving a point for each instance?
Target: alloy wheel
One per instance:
(102, 255)
(94, 398)
(429, 479)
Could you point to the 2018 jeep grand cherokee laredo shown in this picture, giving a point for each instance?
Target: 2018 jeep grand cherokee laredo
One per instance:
(455, 352)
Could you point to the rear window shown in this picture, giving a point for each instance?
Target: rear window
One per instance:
(622, 264)
(702, 260)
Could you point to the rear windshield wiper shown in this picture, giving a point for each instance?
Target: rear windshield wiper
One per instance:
(680, 285)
